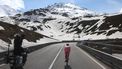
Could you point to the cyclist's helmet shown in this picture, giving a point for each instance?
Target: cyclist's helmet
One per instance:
(67, 44)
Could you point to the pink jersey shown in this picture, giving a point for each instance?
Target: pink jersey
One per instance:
(67, 51)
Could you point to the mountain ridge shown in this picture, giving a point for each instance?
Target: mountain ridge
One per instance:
(60, 21)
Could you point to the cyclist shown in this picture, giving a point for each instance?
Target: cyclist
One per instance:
(19, 59)
(67, 52)
(18, 49)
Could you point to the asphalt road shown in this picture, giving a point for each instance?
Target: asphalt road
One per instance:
(52, 57)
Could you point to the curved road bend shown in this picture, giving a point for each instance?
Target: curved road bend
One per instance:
(52, 57)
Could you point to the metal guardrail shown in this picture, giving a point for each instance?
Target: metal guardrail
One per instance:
(108, 48)
(104, 44)
(108, 59)
(2, 57)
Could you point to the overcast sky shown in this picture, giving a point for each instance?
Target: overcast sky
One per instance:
(100, 6)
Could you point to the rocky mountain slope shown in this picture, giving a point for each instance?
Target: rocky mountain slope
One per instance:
(68, 21)
(103, 28)
(7, 32)
(46, 20)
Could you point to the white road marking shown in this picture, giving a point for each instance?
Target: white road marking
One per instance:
(92, 58)
(50, 67)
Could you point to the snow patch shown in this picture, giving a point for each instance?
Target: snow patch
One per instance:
(116, 35)
(1, 28)
(121, 10)
(118, 56)
(3, 45)
(72, 5)
(93, 37)
(22, 30)
(41, 41)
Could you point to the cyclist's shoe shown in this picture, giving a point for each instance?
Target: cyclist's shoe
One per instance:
(66, 60)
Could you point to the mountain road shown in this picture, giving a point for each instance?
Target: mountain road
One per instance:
(52, 57)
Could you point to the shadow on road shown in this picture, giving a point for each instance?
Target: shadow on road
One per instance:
(67, 66)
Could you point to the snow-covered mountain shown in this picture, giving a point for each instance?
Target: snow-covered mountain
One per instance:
(46, 20)
(68, 21)
(69, 10)
(7, 11)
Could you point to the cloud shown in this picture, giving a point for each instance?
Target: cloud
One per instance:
(121, 10)
(15, 4)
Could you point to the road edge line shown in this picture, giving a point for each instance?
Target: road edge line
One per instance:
(50, 67)
(91, 58)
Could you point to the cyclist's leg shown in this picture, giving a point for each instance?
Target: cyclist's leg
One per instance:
(66, 58)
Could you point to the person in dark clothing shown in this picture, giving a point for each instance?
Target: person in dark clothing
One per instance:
(18, 44)
(19, 57)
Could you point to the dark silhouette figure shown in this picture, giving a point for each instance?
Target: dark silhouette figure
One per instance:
(19, 53)
(18, 44)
